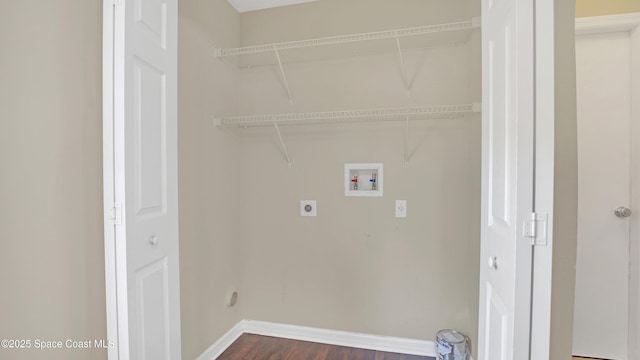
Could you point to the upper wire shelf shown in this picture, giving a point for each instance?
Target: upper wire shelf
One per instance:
(387, 34)
(350, 116)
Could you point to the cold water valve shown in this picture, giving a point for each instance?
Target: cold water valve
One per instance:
(374, 183)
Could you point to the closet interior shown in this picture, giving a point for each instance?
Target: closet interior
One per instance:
(273, 104)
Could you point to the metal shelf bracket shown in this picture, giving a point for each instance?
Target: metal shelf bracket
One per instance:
(406, 144)
(284, 147)
(403, 65)
(284, 76)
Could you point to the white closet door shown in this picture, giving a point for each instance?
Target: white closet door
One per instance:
(144, 177)
(507, 178)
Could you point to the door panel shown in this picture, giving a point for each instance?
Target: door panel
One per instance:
(601, 315)
(500, 89)
(152, 14)
(498, 316)
(152, 290)
(149, 131)
(507, 179)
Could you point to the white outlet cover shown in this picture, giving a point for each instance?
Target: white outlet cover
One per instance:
(308, 208)
(401, 208)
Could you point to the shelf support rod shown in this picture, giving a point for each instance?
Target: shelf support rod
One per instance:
(404, 66)
(284, 76)
(284, 147)
(406, 144)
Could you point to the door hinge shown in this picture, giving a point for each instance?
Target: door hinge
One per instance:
(115, 214)
(536, 229)
(117, 2)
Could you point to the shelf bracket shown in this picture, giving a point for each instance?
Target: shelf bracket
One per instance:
(284, 147)
(406, 144)
(284, 76)
(404, 67)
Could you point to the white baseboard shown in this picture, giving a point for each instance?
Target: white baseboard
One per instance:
(223, 343)
(322, 336)
(342, 338)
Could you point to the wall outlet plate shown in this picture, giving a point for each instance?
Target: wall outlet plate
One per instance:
(308, 208)
(401, 208)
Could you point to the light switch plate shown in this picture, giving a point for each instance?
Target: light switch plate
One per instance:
(308, 208)
(401, 208)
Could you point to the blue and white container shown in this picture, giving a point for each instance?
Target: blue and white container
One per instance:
(452, 345)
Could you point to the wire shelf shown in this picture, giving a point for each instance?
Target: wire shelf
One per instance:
(388, 34)
(350, 116)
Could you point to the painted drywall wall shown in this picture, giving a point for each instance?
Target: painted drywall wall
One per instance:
(586, 8)
(356, 267)
(565, 230)
(209, 218)
(51, 232)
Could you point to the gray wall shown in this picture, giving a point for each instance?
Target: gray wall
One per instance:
(209, 218)
(356, 267)
(52, 258)
(52, 262)
(565, 231)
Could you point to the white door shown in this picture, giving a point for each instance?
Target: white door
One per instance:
(601, 316)
(140, 47)
(507, 178)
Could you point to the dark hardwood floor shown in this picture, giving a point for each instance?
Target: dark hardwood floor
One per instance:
(256, 347)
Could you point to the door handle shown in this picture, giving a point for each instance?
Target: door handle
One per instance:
(623, 212)
(153, 240)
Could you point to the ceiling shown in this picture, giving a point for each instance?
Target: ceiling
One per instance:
(250, 5)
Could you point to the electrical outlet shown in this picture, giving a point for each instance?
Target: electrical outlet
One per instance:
(401, 208)
(308, 208)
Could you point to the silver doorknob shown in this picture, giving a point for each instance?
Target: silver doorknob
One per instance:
(623, 212)
(153, 240)
(493, 263)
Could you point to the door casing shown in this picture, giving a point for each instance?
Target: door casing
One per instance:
(628, 23)
(108, 170)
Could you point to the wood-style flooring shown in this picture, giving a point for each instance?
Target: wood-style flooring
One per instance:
(256, 347)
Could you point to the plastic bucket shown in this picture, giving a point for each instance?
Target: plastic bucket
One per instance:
(452, 345)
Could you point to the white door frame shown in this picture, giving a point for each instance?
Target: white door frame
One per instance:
(540, 332)
(117, 318)
(628, 23)
(108, 166)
